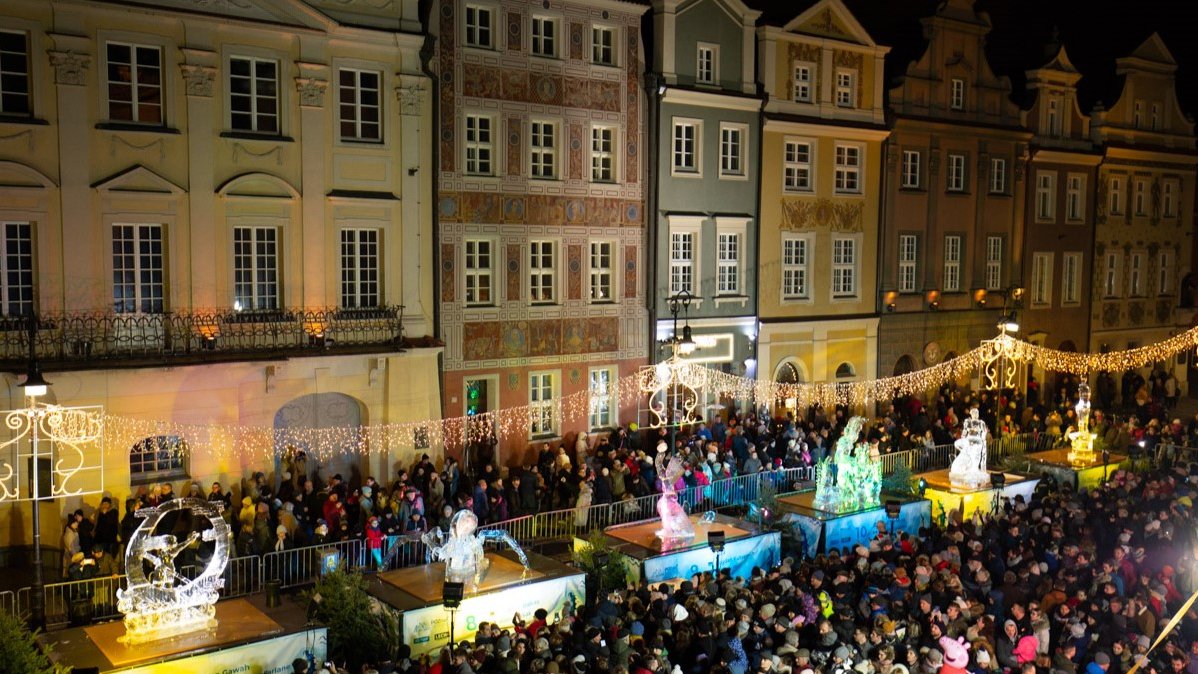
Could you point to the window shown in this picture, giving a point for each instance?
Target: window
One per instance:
(705, 63)
(158, 457)
(256, 267)
(732, 149)
(797, 166)
(803, 82)
(728, 263)
(848, 168)
(1041, 279)
(16, 269)
(1053, 117)
(910, 168)
(845, 371)
(844, 268)
(682, 262)
(603, 396)
(1135, 276)
(360, 255)
(686, 148)
(14, 74)
(908, 255)
(540, 399)
(544, 36)
(1156, 117)
(994, 246)
(360, 105)
(952, 264)
(1046, 192)
(957, 96)
(1071, 273)
(1116, 196)
(1110, 278)
(794, 268)
(1167, 203)
(1137, 118)
(1164, 280)
(1075, 189)
(543, 150)
(603, 45)
(134, 83)
(1141, 198)
(480, 145)
(998, 175)
(480, 27)
(602, 266)
(956, 173)
(603, 156)
(479, 282)
(254, 94)
(845, 88)
(541, 273)
(138, 278)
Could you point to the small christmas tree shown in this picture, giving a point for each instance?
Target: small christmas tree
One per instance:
(19, 650)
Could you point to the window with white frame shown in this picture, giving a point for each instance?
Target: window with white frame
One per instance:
(1075, 190)
(1141, 197)
(603, 45)
(158, 457)
(1135, 275)
(16, 269)
(1110, 275)
(1164, 273)
(256, 267)
(602, 397)
(479, 268)
(480, 145)
(848, 169)
(804, 82)
(911, 162)
(603, 154)
(541, 401)
(480, 27)
(602, 272)
(728, 245)
(254, 94)
(732, 149)
(1116, 198)
(956, 173)
(686, 146)
(542, 272)
(844, 267)
(957, 95)
(682, 262)
(1046, 195)
(795, 272)
(15, 89)
(359, 104)
(998, 175)
(542, 160)
(138, 269)
(846, 88)
(134, 83)
(544, 36)
(796, 170)
(994, 246)
(1071, 275)
(952, 264)
(360, 268)
(1168, 205)
(1041, 279)
(908, 257)
(706, 64)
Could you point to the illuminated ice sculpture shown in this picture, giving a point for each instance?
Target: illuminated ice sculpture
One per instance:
(969, 468)
(850, 479)
(1081, 441)
(462, 549)
(159, 603)
(675, 523)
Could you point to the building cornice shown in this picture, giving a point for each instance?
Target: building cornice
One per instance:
(711, 99)
(1067, 157)
(866, 133)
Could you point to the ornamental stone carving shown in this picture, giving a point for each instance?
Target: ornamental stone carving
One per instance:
(411, 98)
(69, 67)
(311, 91)
(837, 216)
(198, 80)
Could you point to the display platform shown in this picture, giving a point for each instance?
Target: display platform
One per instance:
(505, 590)
(824, 530)
(745, 547)
(1080, 474)
(947, 497)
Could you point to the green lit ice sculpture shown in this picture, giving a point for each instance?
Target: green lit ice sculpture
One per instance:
(850, 479)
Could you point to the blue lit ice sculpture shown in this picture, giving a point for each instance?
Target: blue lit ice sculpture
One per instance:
(462, 549)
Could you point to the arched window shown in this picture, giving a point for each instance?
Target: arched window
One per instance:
(158, 457)
(904, 365)
(845, 371)
(789, 374)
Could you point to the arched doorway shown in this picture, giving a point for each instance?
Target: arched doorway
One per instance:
(1064, 379)
(789, 372)
(321, 411)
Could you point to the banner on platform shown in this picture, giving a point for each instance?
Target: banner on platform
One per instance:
(272, 656)
(858, 528)
(739, 557)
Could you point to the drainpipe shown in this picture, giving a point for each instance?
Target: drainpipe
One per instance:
(652, 82)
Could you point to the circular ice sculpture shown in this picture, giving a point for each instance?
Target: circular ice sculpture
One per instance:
(969, 468)
(162, 603)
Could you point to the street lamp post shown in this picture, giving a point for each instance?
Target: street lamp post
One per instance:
(680, 345)
(35, 386)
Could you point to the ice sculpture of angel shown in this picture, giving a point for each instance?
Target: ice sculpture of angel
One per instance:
(462, 549)
(969, 468)
(675, 523)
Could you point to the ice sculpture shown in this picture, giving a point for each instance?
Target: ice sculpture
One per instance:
(675, 523)
(969, 468)
(1081, 441)
(850, 479)
(462, 549)
(161, 603)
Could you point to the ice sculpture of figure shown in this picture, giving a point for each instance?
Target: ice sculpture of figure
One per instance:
(675, 523)
(868, 479)
(1082, 440)
(858, 477)
(462, 549)
(162, 604)
(969, 468)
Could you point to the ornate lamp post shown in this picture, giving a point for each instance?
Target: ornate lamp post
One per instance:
(35, 386)
(681, 344)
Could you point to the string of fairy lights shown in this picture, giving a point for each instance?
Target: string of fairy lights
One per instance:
(264, 443)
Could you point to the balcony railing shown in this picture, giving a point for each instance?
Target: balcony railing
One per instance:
(183, 336)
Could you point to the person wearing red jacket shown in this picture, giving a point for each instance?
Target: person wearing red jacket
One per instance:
(375, 541)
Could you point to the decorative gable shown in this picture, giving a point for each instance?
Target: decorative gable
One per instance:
(830, 19)
(285, 12)
(1154, 49)
(138, 179)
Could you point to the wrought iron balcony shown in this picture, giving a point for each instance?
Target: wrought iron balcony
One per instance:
(81, 340)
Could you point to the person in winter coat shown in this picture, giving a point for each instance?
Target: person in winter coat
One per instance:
(70, 543)
(582, 505)
(376, 540)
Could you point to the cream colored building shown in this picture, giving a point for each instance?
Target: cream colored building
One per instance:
(217, 211)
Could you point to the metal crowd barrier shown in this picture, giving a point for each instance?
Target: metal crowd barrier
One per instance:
(8, 602)
(81, 601)
(300, 566)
